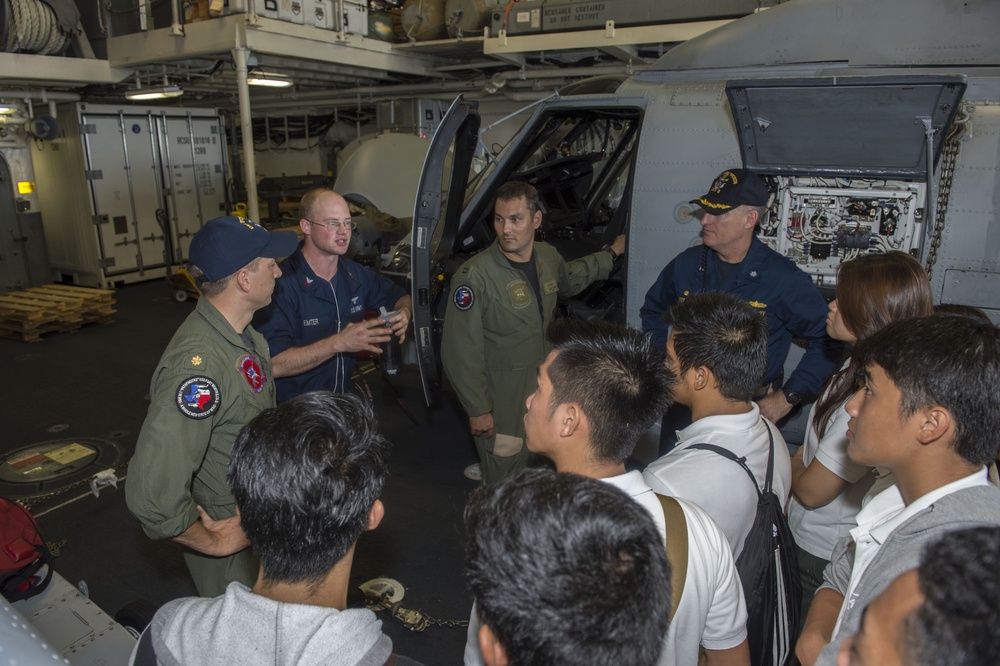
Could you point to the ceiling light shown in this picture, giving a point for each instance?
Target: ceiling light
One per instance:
(269, 79)
(160, 92)
(12, 113)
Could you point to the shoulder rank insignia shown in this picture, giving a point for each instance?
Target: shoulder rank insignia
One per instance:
(196, 360)
(198, 397)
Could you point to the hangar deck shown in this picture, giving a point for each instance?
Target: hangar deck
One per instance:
(93, 385)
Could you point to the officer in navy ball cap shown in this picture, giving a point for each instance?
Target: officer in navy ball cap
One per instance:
(735, 187)
(226, 244)
(213, 378)
(733, 260)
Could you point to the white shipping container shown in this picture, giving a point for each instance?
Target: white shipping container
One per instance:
(124, 188)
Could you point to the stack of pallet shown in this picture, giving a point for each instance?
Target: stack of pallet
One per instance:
(26, 315)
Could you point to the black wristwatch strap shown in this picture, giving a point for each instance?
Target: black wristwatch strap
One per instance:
(793, 397)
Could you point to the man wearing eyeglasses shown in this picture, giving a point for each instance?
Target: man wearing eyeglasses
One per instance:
(315, 324)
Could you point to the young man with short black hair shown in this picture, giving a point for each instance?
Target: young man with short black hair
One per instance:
(307, 476)
(718, 350)
(599, 389)
(927, 411)
(565, 570)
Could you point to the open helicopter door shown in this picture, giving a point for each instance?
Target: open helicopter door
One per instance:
(440, 196)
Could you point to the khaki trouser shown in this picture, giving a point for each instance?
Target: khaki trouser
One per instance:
(213, 574)
(502, 456)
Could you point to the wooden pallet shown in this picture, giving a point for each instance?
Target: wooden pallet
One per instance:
(27, 315)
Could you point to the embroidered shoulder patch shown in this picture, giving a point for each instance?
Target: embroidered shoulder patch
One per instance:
(252, 373)
(464, 298)
(198, 397)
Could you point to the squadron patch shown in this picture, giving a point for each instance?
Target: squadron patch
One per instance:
(520, 293)
(198, 397)
(252, 373)
(464, 298)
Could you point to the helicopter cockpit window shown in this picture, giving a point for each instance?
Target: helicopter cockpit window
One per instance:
(578, 160)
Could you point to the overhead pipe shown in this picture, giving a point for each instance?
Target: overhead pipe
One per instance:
(241, 55)
(442, 92)
(565, 72)
(498, 79)
(176, 27)
(43, 95)
(467, 87)
(477, 89)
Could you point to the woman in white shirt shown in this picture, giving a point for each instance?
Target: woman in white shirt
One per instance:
(827, 486)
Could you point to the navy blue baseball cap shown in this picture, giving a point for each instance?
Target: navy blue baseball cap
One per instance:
(732, 188)
(227, 244)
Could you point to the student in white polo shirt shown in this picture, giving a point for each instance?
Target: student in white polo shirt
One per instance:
(599, 389)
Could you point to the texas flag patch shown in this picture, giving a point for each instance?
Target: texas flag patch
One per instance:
(198, 397)
(464, 298)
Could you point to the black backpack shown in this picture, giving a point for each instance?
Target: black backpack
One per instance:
(769, 570)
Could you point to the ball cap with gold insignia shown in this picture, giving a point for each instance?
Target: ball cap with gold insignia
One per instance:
(227, 244)
(732, 188)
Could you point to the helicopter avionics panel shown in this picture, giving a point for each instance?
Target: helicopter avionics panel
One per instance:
(821, 222)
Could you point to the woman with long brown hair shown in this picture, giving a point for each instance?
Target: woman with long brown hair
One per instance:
(827, 486)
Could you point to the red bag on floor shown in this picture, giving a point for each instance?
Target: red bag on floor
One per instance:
(22, 553)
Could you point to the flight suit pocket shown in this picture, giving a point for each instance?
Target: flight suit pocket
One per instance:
(506, 446)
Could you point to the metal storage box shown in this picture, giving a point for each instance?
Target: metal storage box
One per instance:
(124, 188)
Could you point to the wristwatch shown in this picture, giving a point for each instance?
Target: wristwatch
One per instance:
(793, 397)
(610, 250)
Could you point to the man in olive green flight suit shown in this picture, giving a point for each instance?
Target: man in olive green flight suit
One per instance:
(494, 340)
(212, 379)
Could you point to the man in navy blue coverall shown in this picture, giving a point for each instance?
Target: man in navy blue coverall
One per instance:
(315, 323)
(731, 259)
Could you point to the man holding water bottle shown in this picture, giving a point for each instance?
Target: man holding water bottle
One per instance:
(315, 323)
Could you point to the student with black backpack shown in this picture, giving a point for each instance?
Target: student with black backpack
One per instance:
(599, 389)
(718, 350)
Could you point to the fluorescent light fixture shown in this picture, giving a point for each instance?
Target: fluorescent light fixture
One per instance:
(12, 113)
(160, 92)
(269, 79)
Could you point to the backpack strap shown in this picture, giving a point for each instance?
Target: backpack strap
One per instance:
(677, 548)
(769, 480)
(742, 461)
(145, 653)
